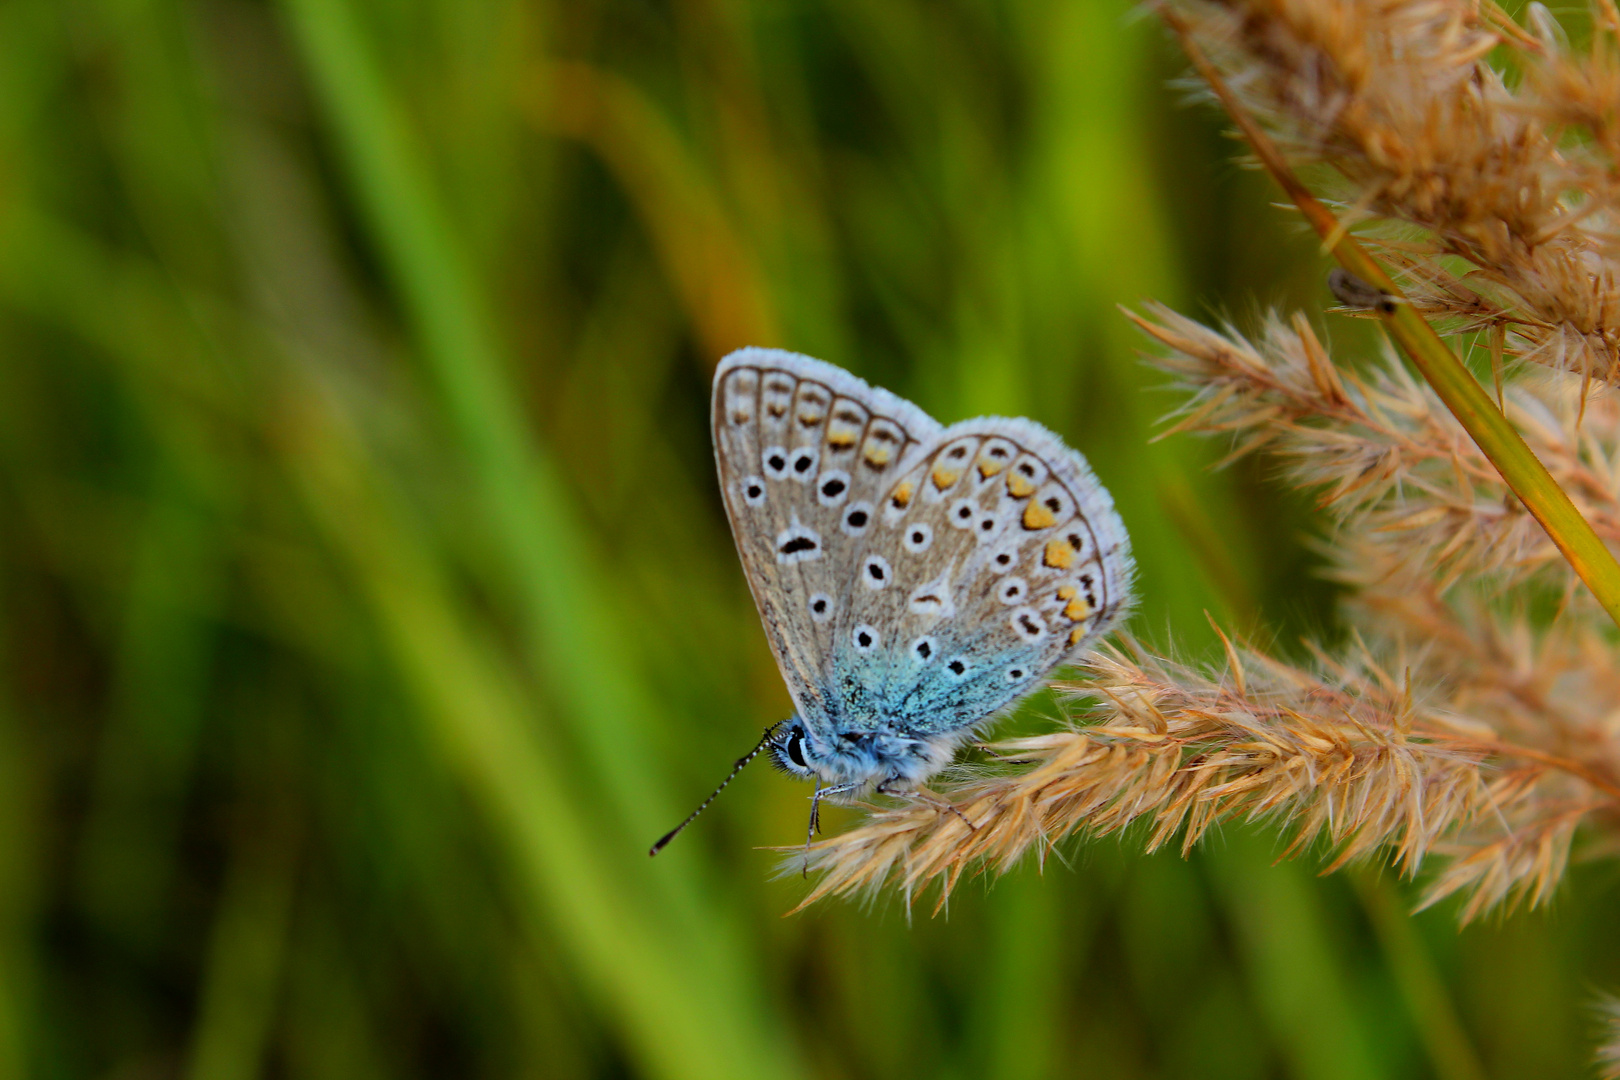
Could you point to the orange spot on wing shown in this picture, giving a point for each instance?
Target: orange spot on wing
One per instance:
(943, 477)
(1037, 516)
(1059, 554)
(1075, 635)
(1078, 609)
(902, 495)
(1019, 486)
(988, 466)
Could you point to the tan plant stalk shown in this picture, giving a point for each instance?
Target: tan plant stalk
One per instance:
(1344, 755)
(1369, 281)
(1518, 183)
(1385, 456)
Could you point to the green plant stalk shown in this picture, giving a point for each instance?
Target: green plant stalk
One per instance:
(475, 710)
(580, 644)
(1464, 396)
(1428, 1001)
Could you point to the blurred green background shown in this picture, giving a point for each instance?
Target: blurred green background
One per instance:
(368, 605)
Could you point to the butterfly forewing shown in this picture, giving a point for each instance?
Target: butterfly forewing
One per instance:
(805, 453)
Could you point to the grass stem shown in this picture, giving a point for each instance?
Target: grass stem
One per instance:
(1461, 392)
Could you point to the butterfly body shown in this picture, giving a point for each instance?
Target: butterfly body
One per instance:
(895, 760)
(915, 581)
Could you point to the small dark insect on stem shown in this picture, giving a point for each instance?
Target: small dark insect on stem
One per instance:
(1352, 291)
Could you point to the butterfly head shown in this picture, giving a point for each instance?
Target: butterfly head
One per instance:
(854, 760)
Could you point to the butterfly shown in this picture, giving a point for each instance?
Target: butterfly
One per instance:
(915, 581)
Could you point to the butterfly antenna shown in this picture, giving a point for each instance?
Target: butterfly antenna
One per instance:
(765, 740)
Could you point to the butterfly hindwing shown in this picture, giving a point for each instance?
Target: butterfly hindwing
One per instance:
(1007, 558)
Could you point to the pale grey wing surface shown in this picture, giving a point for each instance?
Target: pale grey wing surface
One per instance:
(805, 452)
(996, 556)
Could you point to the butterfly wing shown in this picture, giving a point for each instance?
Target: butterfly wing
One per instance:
(806, 452)
(996, 556)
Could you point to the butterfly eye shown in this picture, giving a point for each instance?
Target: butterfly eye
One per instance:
(795, 750)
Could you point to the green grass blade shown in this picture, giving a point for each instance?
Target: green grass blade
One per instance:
(687, 1012)
(588, 658)
(583, 652)
(1299, 977)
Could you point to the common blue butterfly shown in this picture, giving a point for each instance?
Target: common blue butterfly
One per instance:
(915, 581)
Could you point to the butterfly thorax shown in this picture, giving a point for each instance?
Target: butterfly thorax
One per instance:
(894, 761)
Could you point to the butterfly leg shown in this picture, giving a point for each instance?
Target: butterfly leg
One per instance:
(815, 815)
(815, 818)
(985, 749)
(926, 796)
